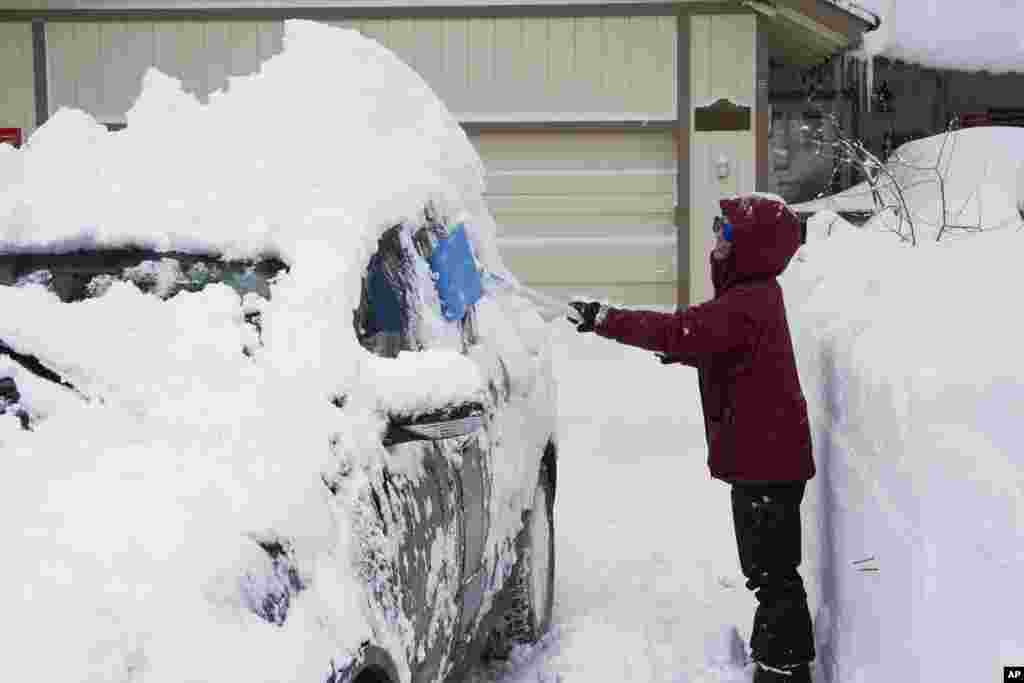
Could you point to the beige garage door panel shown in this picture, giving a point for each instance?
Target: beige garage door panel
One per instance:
(569, 261)
(642, 296)
(658, 296)
(586, 211)
(642, 274)
(580, 182)
(577, 150)
(635, 206)
(581, 226)
(605, 223)
(518, 184)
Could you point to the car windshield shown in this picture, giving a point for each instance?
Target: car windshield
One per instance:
(84, 275)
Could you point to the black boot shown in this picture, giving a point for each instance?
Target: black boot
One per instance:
(801, 673)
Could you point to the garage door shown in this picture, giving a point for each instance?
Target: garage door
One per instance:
(586, 212)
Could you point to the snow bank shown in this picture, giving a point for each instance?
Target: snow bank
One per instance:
(977, 36)
(136, 504)
(911, 362)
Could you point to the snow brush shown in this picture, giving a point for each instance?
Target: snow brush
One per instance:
(460, 280)
(549, 302)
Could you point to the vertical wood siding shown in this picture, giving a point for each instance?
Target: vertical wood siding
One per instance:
(17, 105)
(537, 68)
(98, 66)
(723, 65)
(530, 68)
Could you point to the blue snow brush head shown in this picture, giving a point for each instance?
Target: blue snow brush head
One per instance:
(458, 280)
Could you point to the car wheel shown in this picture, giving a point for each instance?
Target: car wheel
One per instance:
(531, 585)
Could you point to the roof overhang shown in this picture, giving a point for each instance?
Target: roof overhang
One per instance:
(801, 32)
(805, 32)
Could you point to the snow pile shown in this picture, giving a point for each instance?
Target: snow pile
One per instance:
(977, 36)
(138, 501)
(380, 125)
(911, 362)
(982, 178)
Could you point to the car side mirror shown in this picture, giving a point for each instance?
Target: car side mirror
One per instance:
(447, 423)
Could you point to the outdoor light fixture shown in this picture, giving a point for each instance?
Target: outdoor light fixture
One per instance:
(722, 167)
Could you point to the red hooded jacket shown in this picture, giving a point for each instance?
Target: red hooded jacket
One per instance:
(754, 409)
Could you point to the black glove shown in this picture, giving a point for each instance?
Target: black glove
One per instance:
(588, 311)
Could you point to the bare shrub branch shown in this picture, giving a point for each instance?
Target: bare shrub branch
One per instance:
(888, 192)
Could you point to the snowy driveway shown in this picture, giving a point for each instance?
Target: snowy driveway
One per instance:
(647, 571)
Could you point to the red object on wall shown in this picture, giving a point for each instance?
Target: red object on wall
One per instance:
(11, 136)
(975, 119)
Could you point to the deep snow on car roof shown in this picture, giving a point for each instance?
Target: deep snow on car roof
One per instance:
(374, 145)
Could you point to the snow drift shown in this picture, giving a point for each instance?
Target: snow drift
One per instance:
(911, 362)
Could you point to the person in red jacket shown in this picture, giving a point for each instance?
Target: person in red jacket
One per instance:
(755, 414)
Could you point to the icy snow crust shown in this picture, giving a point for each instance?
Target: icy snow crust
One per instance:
(134, 508)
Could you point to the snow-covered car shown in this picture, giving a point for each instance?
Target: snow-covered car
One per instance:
(324, 452)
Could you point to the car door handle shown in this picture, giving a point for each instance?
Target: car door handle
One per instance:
(435, 428)
(446, 429)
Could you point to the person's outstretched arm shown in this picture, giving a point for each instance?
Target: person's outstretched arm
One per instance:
(699, 331)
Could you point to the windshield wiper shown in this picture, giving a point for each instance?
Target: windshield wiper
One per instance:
(33, 365)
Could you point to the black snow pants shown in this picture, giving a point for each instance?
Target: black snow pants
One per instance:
(767, 521)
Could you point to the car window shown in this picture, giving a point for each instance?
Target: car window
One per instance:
(400, 309)
(84, 275)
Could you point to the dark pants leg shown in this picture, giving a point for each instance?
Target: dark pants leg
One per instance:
(767, 521)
